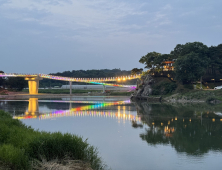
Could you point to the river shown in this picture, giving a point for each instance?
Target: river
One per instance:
(132, 136)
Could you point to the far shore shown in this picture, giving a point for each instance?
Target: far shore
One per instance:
(191, 96)
(45, 95)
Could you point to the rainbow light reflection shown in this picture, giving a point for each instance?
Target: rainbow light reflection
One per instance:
(86, 111)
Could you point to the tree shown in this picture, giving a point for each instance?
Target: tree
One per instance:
(151, 60)
(196, 47)
(17, 83)
(215, 56)
(189, 68)
(136, 71)
(2, 80)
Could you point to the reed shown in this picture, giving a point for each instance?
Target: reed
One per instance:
(20, 145)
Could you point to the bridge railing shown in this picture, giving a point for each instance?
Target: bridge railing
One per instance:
(17, 75)
(107, 79)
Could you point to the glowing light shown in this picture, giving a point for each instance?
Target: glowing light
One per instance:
(72, 79)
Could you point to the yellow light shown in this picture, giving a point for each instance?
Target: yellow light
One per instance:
(213, 120)
(168, 122)
(161, 124)
(172, 120)
(190, 120)
(175, 118)
(212, 79)
(153, 123)
(221, 120)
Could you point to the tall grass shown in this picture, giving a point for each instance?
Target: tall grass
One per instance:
(20, 145)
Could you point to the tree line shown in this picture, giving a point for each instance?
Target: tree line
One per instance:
(84, 74)
(16, 83)
(191, 61)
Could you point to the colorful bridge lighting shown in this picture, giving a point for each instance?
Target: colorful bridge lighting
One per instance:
(89, 110)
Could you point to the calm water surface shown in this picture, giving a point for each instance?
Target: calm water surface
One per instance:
(132, 136)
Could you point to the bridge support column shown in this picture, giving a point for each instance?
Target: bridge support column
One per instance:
(70, 88)
(33, 84)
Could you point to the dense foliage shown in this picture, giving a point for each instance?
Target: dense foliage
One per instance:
(16, 83)
(192, 60)
(164, 88)
(135, 71)
(189, 68)
(20, 145)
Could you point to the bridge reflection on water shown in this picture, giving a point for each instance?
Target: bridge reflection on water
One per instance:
(94, 109)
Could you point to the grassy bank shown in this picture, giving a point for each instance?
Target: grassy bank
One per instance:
(191, 95)
(201, 94)
(21, 146)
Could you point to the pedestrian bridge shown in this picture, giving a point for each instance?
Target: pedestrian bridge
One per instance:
(33, 80)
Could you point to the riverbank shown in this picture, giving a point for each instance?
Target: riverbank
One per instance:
(21, 147)
(209, 96)
(195, 96)
(53, 93)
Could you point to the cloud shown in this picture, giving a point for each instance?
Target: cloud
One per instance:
(73, 14)
(113, 29)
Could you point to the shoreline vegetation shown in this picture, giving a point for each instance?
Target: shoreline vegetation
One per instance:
(22, 147)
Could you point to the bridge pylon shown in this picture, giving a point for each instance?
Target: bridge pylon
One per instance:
(33, 84)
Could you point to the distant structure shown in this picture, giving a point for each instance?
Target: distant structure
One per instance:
(97, 87)
(168, 66)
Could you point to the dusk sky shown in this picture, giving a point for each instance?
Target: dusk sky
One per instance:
(48, 36)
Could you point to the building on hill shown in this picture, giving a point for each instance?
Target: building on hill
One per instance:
(168, 66)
